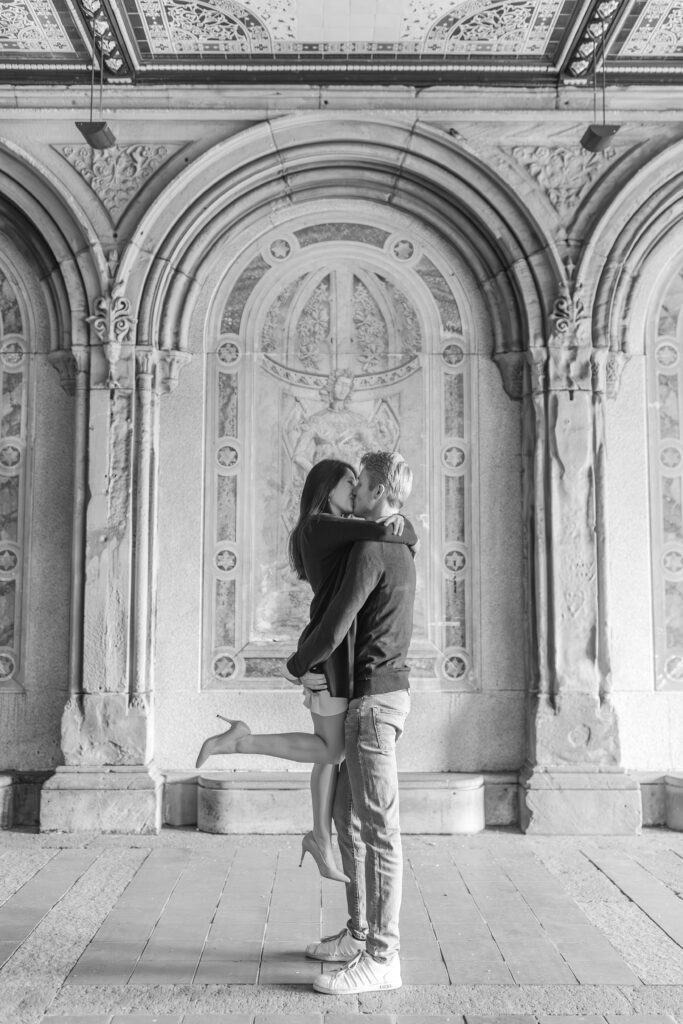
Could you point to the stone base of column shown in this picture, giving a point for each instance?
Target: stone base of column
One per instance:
(579, 802)
(101, 799)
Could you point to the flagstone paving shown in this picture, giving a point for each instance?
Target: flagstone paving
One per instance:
(187, 928)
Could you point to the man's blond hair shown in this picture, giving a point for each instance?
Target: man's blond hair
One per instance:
(392, 471)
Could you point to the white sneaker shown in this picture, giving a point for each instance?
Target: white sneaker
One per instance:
(336, 949)
(362, 974)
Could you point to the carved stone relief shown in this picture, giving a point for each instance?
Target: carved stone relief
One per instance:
(324, 341)
(564, 173)
(665, 364)
(13, 452)
(116, 174)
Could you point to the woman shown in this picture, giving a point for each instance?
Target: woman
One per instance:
(318, 549)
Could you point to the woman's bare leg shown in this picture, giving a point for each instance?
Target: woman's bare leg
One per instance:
(324, 746)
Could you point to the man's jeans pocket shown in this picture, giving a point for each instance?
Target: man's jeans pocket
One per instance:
(388, 723)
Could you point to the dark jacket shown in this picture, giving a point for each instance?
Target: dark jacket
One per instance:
(326, 543)
(378, 592)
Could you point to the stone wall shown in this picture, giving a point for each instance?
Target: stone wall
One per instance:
(544, 269)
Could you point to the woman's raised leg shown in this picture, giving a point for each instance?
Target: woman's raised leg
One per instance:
(324, 746)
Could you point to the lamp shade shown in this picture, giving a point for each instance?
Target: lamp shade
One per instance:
(598, 136)
(97, 134)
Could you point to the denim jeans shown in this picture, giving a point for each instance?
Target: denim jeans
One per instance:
(367, 821)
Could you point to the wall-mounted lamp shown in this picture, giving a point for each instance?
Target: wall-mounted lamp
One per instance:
(97, 134)
(598, 136)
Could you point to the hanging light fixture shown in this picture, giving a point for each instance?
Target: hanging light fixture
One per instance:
(97, 134)
(598, 136)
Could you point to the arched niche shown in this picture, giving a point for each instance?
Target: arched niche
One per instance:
(664, 357)
(342, 328)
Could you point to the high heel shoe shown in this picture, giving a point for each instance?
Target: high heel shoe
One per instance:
(328, 869)
(224, 742)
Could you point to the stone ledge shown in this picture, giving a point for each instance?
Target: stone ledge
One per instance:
(433, 803)
(674, 802)
(180, 794)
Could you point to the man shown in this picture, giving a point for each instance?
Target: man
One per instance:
(378, 591)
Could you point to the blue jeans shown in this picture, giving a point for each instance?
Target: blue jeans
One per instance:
(367, 821)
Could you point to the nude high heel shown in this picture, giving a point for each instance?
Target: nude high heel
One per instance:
(326, 868)
(224, 742)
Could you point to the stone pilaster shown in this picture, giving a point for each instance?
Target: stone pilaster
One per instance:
(109, 781)
(573, 782)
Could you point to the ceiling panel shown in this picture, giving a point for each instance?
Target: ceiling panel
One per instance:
(524, 41)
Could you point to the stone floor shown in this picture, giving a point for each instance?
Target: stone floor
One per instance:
(188, 928)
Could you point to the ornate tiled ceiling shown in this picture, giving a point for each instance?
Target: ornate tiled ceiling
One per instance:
(446, 41)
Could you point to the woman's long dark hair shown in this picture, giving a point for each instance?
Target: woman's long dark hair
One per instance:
(318, 485)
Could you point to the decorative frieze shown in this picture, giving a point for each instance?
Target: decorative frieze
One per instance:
(117, 174)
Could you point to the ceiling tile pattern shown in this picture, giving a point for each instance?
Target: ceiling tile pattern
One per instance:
(34, 29)
(524, 41)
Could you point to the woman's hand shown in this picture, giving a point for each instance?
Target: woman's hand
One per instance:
(397, 522)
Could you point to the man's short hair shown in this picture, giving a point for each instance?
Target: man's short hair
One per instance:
(391, 470)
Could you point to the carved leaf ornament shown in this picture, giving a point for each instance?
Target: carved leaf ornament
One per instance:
(116, 174)
(564, 173)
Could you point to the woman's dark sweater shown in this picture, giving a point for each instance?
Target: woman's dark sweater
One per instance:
(326, 543)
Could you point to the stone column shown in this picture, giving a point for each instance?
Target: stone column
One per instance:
(573, 782)
(109, 781)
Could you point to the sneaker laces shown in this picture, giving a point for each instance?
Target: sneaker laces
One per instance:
(352, 963)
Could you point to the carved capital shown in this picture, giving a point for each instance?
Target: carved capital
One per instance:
(72, 365)
(511, 366)
(112, 328)
(614, 367)
(146, 361)
(170, 364)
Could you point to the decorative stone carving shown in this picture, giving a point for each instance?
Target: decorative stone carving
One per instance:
(512, 366)
(565, 173)
(169, 365)
(112, 325)
(573, 725)
(665, 404)
(334, 347)
(116, 174)
(72, 365)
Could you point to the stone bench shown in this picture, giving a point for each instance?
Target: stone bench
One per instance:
(279, 802)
